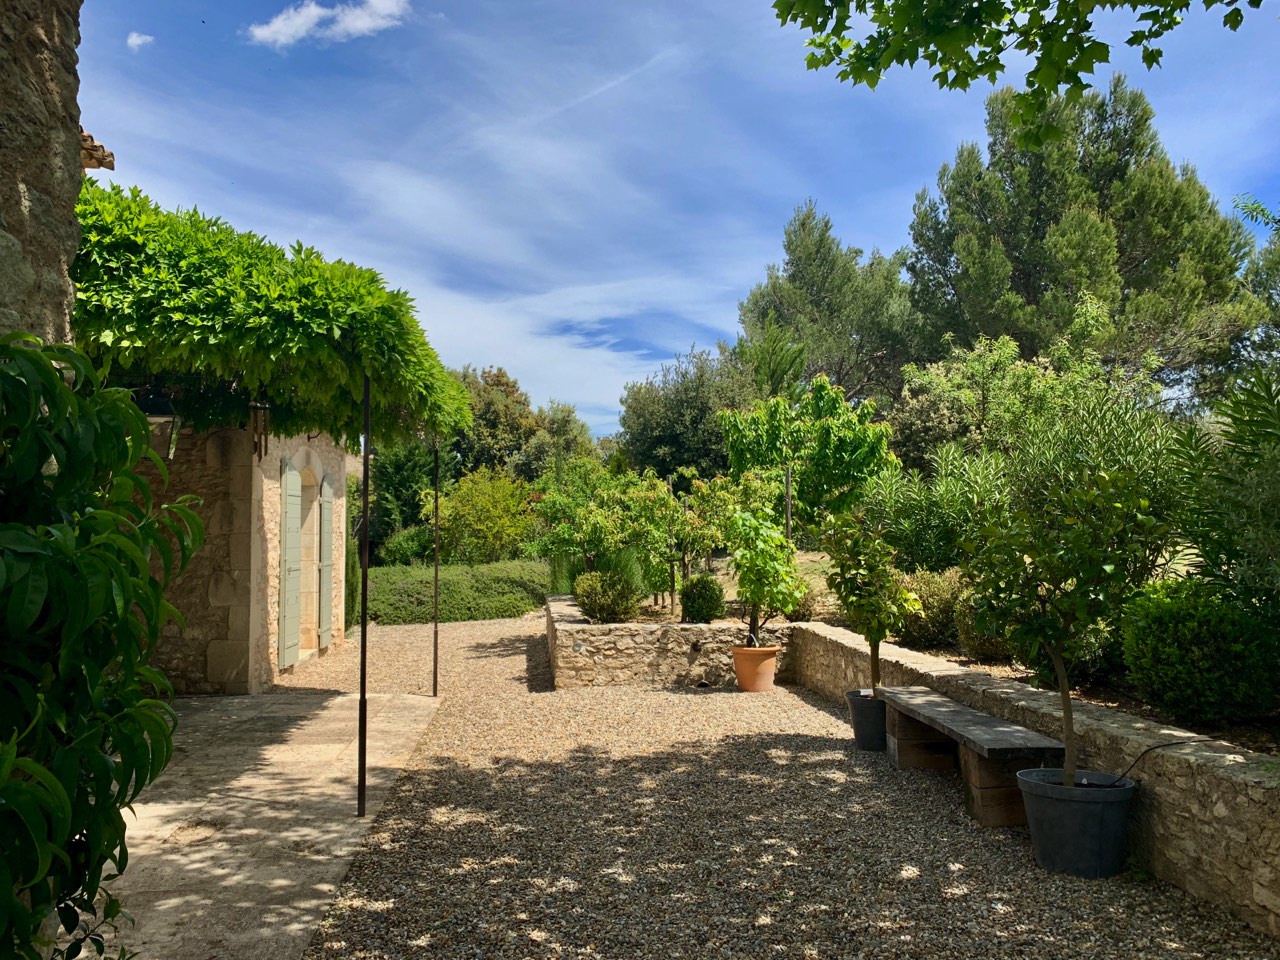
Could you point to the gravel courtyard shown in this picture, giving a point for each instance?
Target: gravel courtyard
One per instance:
(636, 823)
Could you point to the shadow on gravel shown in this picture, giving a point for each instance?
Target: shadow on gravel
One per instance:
(531, 647)
(756, 846)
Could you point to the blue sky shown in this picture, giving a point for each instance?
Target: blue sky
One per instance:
(571, 189)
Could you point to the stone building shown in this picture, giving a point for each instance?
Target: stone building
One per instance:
(267, 588)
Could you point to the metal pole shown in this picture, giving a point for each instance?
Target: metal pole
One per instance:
(364, 615)
(435, 591)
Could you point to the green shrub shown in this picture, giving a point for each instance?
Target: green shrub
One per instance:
(806, 608)
(485, 518)
(565, 569)
(607, 597)
(983, 645)
(701, 599)
(1195, 653)
(493, 591)
(352, 598)
(935, 626)
(408, 546)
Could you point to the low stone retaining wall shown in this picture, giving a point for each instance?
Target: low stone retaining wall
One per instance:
(1206, 816)
(585, 654)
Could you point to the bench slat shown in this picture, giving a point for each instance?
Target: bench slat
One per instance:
(989, 736)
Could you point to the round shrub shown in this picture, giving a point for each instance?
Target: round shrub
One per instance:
(408, 546)
(935, 626)
(1198, 655)
(806, 610)
(975, 642)
(701, 599)
(606, 597)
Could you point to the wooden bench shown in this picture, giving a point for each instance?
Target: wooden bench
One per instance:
(927, 730)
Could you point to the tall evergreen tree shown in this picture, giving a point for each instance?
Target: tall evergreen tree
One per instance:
(1012, 241)
(851, 317)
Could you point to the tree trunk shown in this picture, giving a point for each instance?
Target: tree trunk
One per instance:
(875, 665)
(40, 170)
(753, 626)
(1071, 758)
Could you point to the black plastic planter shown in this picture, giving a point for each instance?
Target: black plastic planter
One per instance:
(1077, 830)
(866, 713)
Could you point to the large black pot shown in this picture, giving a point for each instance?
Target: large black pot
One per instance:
(1077, 830)
(866, 713)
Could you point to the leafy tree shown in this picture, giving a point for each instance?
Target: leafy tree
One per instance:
(830, 445)
(852, 319)
(764, 562)
(669, 421)
(596, 517)
(1011, 243)
(502, 421)
(983, 397)
(485, 518)
(1261, 346)
(865, 582)
(1094, 495)
(774, 358)
(399, 474)
(967, 45)
(560, 435)
(214, 319)
(85, 559)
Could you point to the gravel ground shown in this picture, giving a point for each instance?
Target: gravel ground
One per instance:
(636, 823)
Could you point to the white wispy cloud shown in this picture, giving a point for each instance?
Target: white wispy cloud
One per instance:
(343, 21)
(137, 41)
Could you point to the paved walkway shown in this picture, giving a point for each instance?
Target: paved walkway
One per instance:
(238, 849)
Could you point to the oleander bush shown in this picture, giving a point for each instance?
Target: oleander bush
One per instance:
(1195, 652)
(701, 599)
(491, 591)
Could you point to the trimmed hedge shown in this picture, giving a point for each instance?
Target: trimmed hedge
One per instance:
(491, 591)
(1198, 655)
(701, 599)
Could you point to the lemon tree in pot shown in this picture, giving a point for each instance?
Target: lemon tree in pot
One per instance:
(1089, 525)
(764, 562)
(874, 601)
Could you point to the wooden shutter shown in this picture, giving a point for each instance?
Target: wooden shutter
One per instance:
(290, 565)
(324, 619)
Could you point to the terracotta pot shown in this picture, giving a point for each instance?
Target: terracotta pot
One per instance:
(754, 667)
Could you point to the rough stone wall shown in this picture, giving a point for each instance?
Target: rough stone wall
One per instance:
(212, 595)
(584, 654)
(325, 459)
(39, 164)
(1205, 815)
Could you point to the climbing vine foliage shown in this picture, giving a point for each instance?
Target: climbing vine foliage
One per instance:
(85, 555)
(214, 318)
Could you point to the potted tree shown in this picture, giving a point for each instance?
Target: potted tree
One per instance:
(1087, 528)
(768, 583)
(874, 601)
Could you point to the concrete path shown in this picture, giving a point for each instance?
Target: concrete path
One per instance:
(238, 849)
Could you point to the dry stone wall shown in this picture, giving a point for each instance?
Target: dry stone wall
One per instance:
(39, 164)
(1206, 816)
(585, 654)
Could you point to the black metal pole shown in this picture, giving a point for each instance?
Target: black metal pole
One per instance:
(364, 614)
(435, 591)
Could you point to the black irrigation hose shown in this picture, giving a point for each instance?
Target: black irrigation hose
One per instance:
(1158, 746)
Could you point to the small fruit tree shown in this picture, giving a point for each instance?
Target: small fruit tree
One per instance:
(868, 589)
(827, 445)
(764, 562)
(1094, 496)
